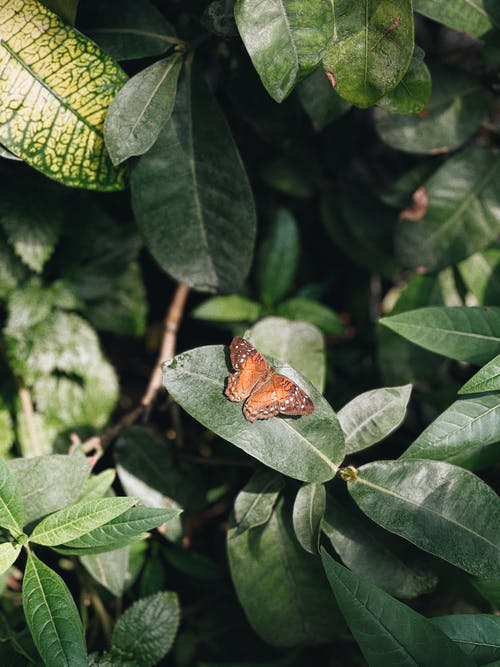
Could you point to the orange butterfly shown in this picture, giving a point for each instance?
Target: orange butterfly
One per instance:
(267, 392)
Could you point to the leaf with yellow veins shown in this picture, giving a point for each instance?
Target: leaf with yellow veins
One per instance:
(55, 89)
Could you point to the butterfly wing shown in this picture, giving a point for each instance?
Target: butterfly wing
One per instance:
(277, 395)
(250, 366)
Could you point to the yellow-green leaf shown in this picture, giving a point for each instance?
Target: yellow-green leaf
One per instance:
(55, 87)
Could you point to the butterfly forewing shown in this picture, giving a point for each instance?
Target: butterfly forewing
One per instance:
(250, 366)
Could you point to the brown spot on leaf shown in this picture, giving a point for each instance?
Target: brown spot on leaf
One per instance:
(331, 79)
(423, 113)
(418, 207)
(438, 150)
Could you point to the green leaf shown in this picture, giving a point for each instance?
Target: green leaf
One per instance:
(141, 108)
(489, 589)
(145, 632)
(478, 635)
(462, 333)
(231, 308)
(32, 224)
(466, 434)
(97, 486)
(308, 511)
(279, 257)
(268, 558)
(474, 18)
(412, 93)
(371, 48)
(300, 308)
(389, 633)
(487, 379)
(373, 415)
(110, 569)
(11, 502)
(284, 39)
(255, 502)
(76, 520)
(48, 483)
(299, 344)
(188, 191)
(7, 434)
(370, 552)
(321, 102)
(313, 445)
(481, 274)
(126, 29)
(8, 555)
(121, 530)
(12, 271)
(441, 508)
(65, 142)
(52, 616)
(462, 216)
(455, 112)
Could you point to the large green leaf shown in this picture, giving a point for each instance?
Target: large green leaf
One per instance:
(54, 122)
(478, 635)
(268, 559)
(466, 434)
(285, 39)
(299, 344)
(52, 616)
(371, 48)
(475, 18)
(308, 448)
(11, 502)
(455, 111)
(141, 108)
(9, 552)
(49, 483)
(389, 633)
(191, 195)
(373, 415)
(370, 552)
(462, 333)
(255, 502)
(412, 93)
(463, 214)
(146, 631)
(308, 511)
(441, 508)
(110, 569)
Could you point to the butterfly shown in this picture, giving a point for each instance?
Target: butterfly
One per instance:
(267, 393)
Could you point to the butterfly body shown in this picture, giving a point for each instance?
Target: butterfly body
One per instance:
(267, 393)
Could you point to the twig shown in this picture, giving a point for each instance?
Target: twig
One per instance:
(29, 413)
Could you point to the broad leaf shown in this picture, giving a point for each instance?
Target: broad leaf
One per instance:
(481, 274)
(373, 554)
(65, 142)
(110, 569)
(373, 415)
(191, 195)
(8, 555)
(76, 520)
(49, 483)
(487, 379)
(466, 434)
(371, 48)
(321, 102)
(297, 343)
(308, 448)
(478, 635)
(11, 502)
(125, 28)
(279, 256)
(441, 508)
(141, 108)
(474, 18)
(97, 486)
(463, 214)
(146, 631)
(231, 308)
(412, 93)
(308, 511)
(462, 333)
(269, 558)
(255, 502)
(314, 312)
(52, 616)
(285, 39)
(455, 111)
(389, 633)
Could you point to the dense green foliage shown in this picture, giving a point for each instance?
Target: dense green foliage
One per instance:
(321, 178)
